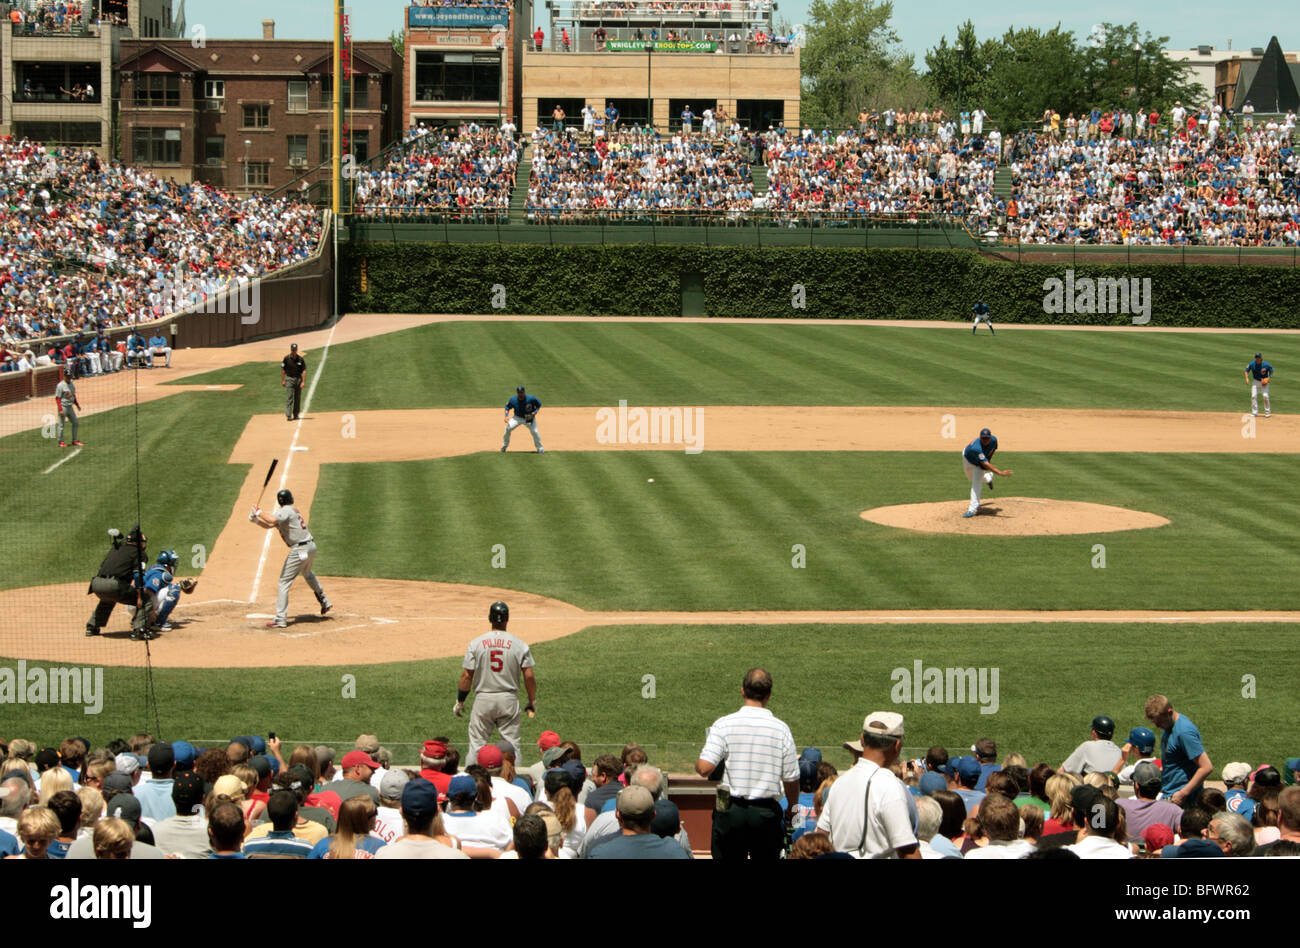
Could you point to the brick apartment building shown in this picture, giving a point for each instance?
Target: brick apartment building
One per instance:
(251, 115)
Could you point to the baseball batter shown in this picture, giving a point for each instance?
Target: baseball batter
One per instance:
(65, 400)
(302, 553)
(494, 663)
(976, 461)
(982, 315)
(1258, 375)
(525, 408)
(161, 583)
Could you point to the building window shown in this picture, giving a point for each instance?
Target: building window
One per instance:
(360, 141)
(156, 146)
(360, 92)
(356, 92)
(158, 90)
(297, 151)
(326, 153)
(214, 89)
(214, 149)
(57, 82)
(297, 96)
(257, 116)
(257, 173)
(457, 77)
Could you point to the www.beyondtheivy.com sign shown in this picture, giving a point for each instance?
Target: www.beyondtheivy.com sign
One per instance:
(674, 46)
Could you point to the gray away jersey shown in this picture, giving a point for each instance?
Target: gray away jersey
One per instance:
(292, 527)
(65, 392)
(497, 660)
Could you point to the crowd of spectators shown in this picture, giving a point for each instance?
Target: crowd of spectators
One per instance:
(1111, 179)
(466, 174)
(49, 18)
(245, 799)
(633, 171)
(87, 245)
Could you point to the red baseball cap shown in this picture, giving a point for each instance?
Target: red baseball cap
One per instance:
(489, 757)
(359, 758)
(548, 739)
(434, 750)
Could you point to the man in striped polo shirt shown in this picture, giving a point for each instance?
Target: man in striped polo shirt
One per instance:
(282, 810)
(761, 763)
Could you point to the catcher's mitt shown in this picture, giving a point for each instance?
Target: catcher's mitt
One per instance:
(188, 584)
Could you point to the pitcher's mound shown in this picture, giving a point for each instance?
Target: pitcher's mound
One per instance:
(1014, 517)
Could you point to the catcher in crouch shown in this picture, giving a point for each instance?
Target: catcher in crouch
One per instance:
(165, 590)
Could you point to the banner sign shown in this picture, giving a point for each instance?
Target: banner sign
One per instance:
(481, 18)
(675, 46)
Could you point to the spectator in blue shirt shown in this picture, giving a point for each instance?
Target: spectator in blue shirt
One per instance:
(636, 812)
(1184, 762)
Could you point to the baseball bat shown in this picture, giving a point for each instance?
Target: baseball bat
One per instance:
(269, 473)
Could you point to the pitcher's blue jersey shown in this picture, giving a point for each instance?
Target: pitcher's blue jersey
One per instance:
(530, 405)
(976, 453)
(1261, 371)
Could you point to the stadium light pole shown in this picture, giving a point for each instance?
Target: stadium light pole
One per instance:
(961, 56)
(1137, 61)
(500, 44)
(649, 106)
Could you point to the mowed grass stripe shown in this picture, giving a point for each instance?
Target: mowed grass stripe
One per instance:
(715, 531)
(592, 689)
(471, 364)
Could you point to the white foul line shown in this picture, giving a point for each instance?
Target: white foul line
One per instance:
(64, 460)
(293, 446)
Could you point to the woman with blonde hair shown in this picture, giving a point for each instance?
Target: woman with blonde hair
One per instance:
(113, 839)
(253, 809)
(53, 781)
(92, 808)
(353, 839)
(1061, 817)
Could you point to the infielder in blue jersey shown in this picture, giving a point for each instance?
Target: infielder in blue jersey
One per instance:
(977, 461)
(982, 315)
(1258, 375)
(525, 408)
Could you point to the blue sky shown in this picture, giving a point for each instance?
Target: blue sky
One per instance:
(919, 25)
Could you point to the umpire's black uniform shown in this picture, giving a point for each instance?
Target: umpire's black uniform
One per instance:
(114, 585)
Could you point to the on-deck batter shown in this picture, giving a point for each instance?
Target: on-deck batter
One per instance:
(494, 663)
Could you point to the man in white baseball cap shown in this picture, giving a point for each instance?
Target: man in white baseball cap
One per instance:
(869, 789)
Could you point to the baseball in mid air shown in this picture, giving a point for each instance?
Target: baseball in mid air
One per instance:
(988, 477)
(649, 480)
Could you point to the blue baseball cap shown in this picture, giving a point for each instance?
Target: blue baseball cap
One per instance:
(967, 767)
(460, 785)
(985, 433)
(420, 797)
(184, 752)
(1144, 739)
(930, 782)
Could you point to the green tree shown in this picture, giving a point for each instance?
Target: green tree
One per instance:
(398, 39)
(1116, 55)
(1033, 71)
(961, 70)
(849, 55)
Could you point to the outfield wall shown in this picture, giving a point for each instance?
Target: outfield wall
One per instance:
(796, 283)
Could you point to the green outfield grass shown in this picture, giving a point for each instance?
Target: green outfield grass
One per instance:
(459, 365)
(716, 530)
(1052, 679)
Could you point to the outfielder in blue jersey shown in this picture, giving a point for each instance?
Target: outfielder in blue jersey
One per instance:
(525, 408)
(976, 460)
(158, 583)
(982, 315)
(1258, 376)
